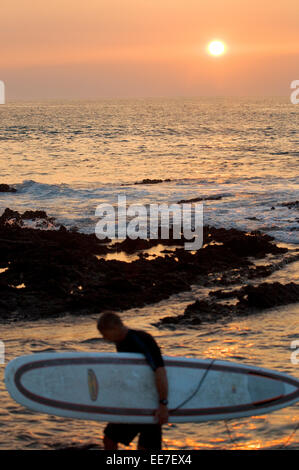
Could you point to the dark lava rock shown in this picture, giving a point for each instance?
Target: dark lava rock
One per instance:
(14, 217)
(265, 295)
(131, 246)
(153, 181)
(5, 188)
(53, 272)
(253, 244)
(36, 215)
(291, 205)
(268, 295)
(201, 198)
(251, 300)
(199, 312)
(9, 214)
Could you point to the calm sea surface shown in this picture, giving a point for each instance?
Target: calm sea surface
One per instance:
(68, 157)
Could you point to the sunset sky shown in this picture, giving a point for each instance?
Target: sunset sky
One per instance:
(144, 48)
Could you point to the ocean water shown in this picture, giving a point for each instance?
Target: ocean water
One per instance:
(68, 157)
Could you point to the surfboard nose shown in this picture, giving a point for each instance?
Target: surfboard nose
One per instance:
(263, 389)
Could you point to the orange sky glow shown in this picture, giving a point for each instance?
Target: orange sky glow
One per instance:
(139, 48)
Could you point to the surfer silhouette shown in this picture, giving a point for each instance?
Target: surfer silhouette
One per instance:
(112, 328)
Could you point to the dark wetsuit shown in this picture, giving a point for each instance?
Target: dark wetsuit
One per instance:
(137, 341)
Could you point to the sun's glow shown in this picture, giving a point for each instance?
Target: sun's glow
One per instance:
(216, 48)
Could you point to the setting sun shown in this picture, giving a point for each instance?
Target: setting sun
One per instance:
(216, 48)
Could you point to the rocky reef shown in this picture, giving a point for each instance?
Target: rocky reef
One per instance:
(149, 181)
(47, 271)
(5, 188)
(251, 299)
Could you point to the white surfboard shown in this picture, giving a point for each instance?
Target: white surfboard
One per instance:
(120, 387)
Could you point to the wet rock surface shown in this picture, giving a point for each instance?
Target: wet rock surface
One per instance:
(150, 181)
(291, 205)
(264, 295)
(201, 198)
(5, 188)
(48, 273)
(251, 299)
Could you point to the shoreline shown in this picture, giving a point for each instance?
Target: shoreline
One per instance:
(47, 271)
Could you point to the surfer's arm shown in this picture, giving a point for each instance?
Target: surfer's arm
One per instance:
(153, 355)
(162, 388)
(161, 383)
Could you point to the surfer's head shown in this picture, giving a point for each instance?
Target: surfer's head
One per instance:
(111, 327)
